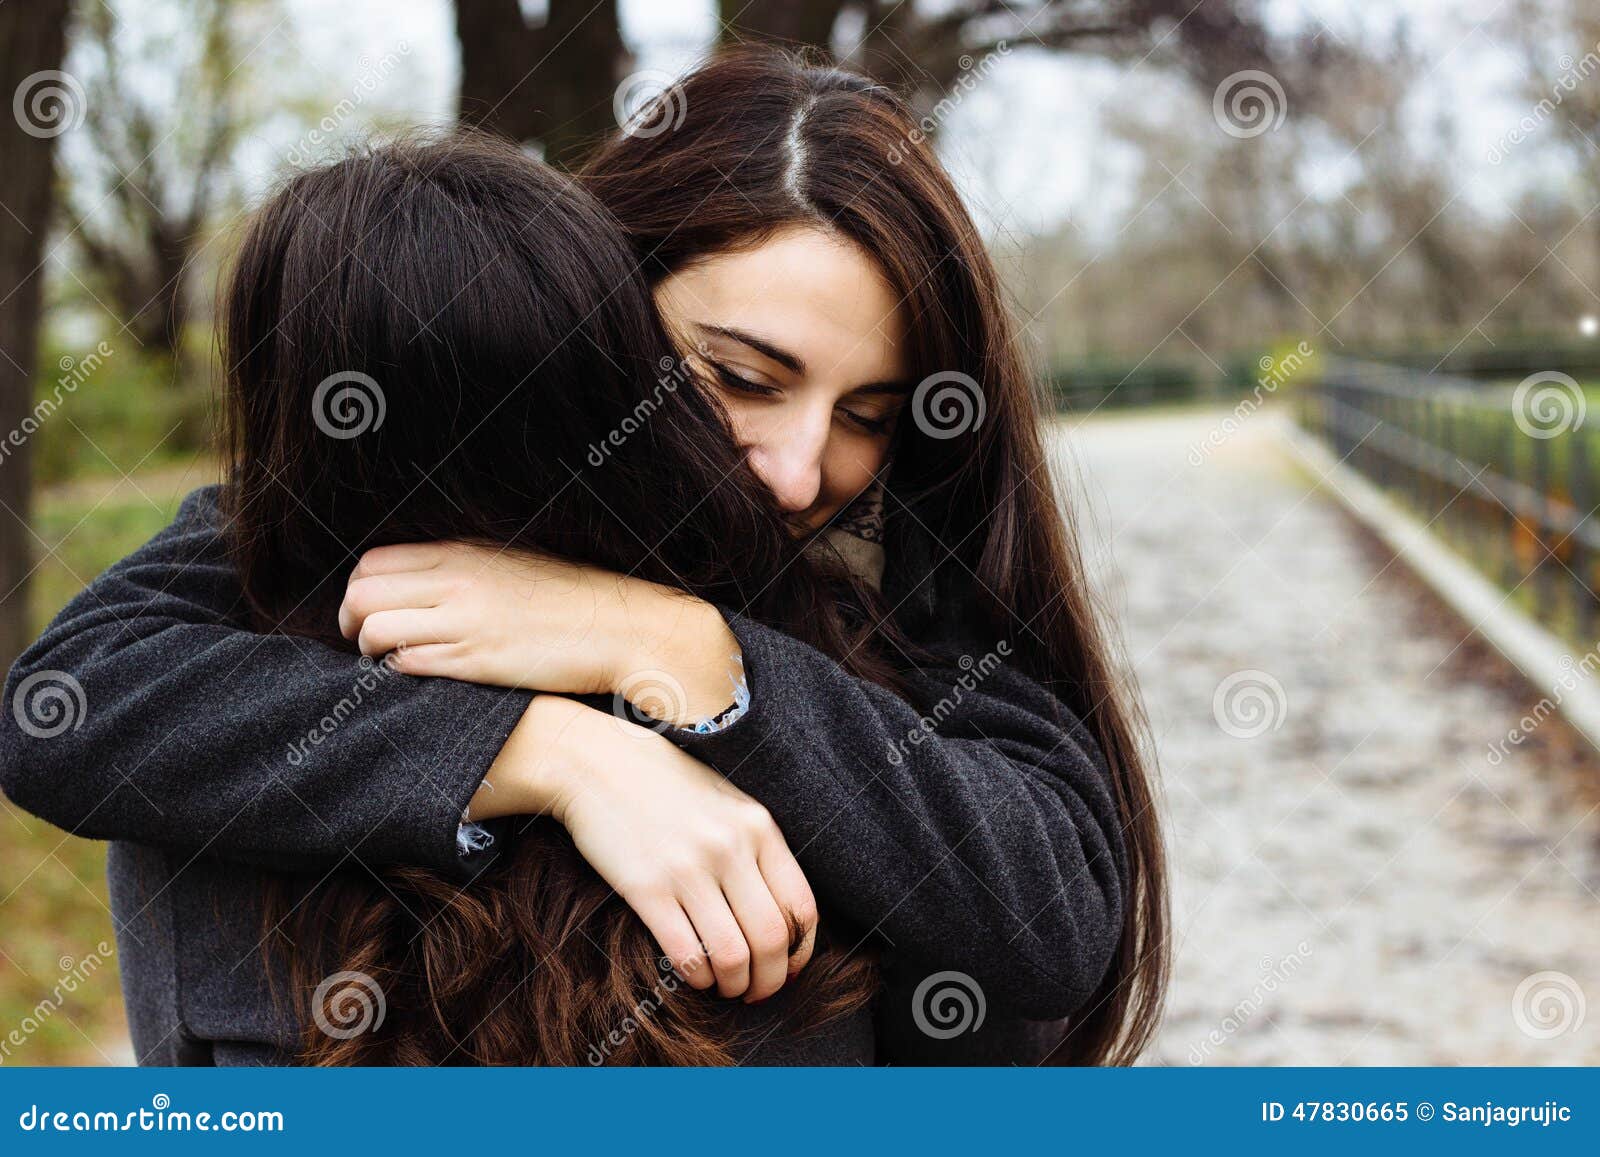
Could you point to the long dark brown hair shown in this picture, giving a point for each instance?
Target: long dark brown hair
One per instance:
(424, 341)
(759, 140)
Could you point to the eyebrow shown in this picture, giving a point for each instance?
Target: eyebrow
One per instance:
(793, 362)
(783, 357)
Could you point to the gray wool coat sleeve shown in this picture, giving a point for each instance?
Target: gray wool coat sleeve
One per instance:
(190, 731)
(973, 829)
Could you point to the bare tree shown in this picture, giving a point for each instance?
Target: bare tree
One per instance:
(552, 82)
(32, 44)
(924, 52)
(1560, 43)
(155, 174)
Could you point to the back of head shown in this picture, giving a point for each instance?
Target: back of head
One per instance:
(429, 340)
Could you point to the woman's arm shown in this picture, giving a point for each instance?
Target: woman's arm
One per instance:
(977, 830)
(188, 730)
(147, 712)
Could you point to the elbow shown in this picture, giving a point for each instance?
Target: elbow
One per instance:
(42, 709)
(1061, 986)
(1068, 959)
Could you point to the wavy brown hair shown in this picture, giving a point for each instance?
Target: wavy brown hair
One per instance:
(759, 140)
(423, 341)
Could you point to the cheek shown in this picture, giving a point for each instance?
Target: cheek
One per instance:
(742, 420)
(848, 469)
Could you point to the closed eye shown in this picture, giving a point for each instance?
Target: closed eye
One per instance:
(871, 425)
(739, 383)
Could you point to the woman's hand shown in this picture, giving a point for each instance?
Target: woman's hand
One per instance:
(516, 619)
(701, 863)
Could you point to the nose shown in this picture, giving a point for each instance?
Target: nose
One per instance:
(788, 458)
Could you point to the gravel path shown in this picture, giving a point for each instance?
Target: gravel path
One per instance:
(1356, 880)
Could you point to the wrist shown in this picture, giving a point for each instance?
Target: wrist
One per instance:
(685, 662)
(539, 767)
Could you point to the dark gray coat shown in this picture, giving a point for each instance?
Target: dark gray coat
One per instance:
(973, 830)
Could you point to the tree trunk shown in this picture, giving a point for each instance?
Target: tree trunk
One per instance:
(554, 84)
(32, 40)
(791, 23)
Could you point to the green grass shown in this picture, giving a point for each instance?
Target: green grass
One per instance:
(53, 905)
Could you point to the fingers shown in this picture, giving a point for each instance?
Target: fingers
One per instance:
(765, 928)
(724, 941)
(389, 630)
(374, 593)
(792, 893)
(405, 556)
(667, 922)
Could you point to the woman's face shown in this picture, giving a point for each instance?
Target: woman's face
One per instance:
(806, 342)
